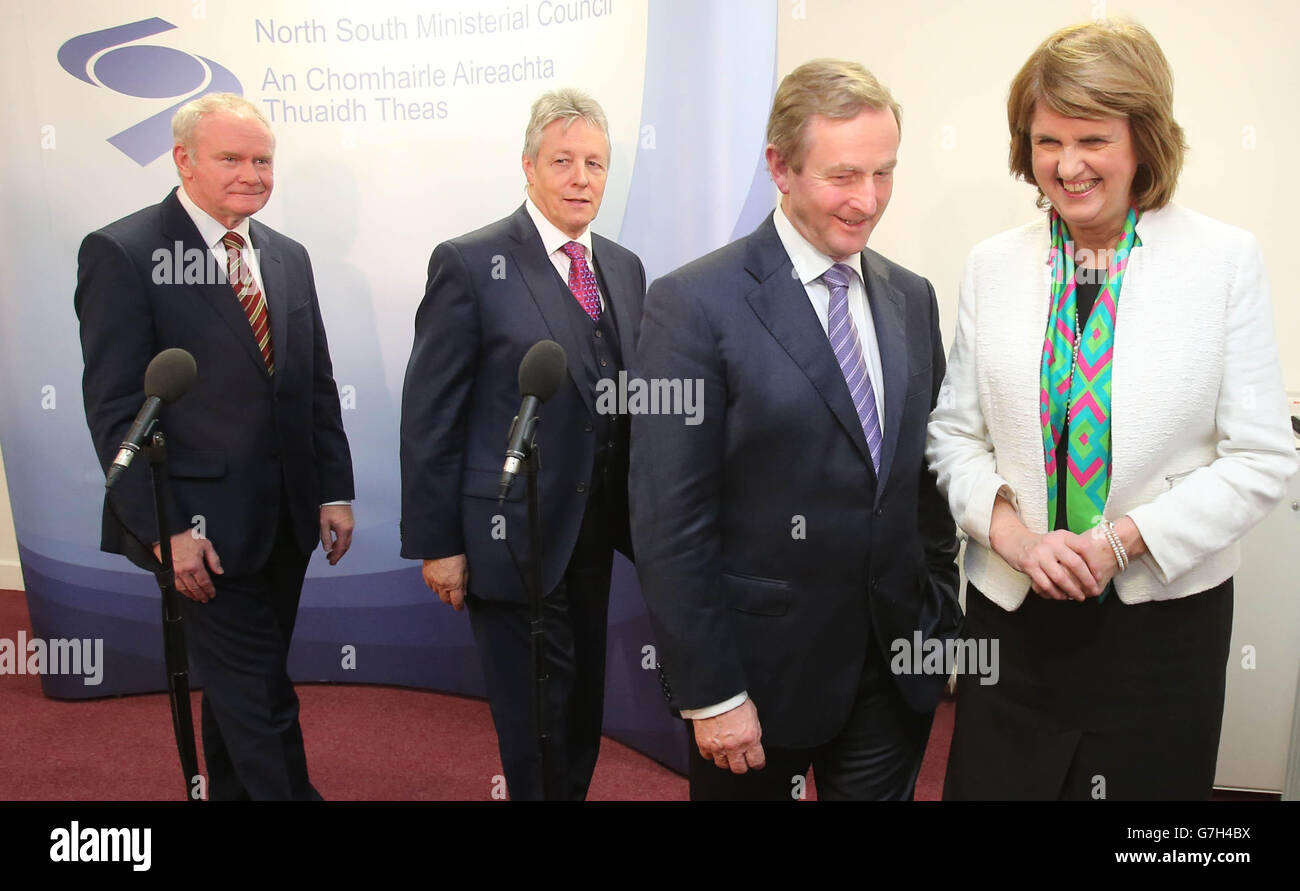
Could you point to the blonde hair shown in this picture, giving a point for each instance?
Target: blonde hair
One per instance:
(187, 117)
(828, 87)
(1105, 69)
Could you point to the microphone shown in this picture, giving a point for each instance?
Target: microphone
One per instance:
(169, 376)
(540, 374)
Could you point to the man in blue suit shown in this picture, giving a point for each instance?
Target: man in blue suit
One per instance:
(788, 540)
(538, 274)
(257, 455)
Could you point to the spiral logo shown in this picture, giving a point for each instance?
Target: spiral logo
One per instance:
(110, 59)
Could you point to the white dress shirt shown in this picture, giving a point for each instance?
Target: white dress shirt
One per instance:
(554, 240)
(213, 231)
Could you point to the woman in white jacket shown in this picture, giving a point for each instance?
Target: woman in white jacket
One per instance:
(1112, 422)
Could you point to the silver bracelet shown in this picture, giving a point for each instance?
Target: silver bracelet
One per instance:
(1122, 550)
(1121, 555)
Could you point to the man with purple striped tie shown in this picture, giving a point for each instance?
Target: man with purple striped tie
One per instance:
(792, 543)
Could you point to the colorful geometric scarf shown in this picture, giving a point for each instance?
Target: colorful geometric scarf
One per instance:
(1077, 381)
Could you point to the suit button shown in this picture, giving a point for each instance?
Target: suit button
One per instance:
(582, 487)
(587, 428)
(598, 332)
(880, 511)
(603, 363)
(875, 584)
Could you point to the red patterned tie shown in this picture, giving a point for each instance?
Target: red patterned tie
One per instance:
(250, 297)
(581, 281)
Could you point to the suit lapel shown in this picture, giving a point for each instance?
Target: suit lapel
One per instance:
(887, 315)
(781, 304)
(552, 298)
(274, 285)
(220, 296)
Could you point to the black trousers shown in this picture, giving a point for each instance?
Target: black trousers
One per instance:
(238, 646)
(876, 756)
(1093, 700)
(574, 620)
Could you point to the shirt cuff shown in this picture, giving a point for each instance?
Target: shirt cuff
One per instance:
(332, 503)
(712, 711)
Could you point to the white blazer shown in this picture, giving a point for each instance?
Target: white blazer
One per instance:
(1201, 444)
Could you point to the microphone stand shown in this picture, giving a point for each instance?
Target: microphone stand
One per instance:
(174, 651)
(537, 634)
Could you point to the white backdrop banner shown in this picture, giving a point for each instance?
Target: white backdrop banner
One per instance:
(398, 125)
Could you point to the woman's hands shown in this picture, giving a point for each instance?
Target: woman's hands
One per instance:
(1061, 565)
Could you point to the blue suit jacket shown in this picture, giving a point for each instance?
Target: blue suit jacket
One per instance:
(769, 553)
(490, 296)
(241, 437)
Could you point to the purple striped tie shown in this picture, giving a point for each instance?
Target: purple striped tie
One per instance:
(848, 352)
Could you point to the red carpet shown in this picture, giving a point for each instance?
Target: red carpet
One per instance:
(363, 743)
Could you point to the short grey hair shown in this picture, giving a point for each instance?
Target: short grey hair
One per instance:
(566, 105)
(187, 117)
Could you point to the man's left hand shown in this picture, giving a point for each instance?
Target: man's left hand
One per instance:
(336, 530)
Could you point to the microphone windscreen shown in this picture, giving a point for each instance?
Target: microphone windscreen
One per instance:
(170, 375)
(542, 370)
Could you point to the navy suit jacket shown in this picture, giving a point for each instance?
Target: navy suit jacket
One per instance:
(770, 555)
(241, 438)
(491, 295)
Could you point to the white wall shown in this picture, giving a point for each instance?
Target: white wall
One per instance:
(950, 64)
(11, 575)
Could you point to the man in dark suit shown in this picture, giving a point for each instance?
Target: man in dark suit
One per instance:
(257, 456)
(538, 274)
(792, 536)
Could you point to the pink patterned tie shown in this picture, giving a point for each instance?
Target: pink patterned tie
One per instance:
(581, 280)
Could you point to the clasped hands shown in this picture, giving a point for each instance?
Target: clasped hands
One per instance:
(1064, 565)
(1061, 565)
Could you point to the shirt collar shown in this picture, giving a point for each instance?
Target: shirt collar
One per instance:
(552, 238)
(210, 230)
(809, 263)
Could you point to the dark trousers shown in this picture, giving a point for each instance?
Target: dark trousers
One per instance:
(574, 616)
(238, 646)
(876, 756)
